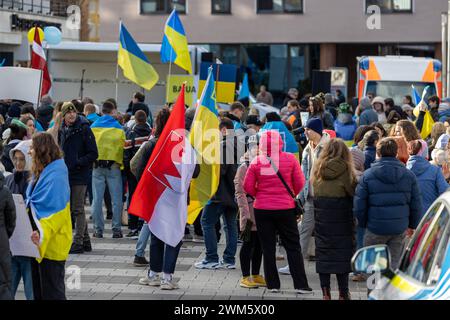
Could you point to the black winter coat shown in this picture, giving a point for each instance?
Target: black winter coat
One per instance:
(6, 160)
(334, 234)
(7, 225)
(80, 150)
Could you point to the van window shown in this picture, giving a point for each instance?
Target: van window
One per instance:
(397, 89)
(429, 247)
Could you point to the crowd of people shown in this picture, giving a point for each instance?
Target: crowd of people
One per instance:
(345, 176)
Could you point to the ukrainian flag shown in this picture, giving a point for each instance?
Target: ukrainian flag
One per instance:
(134, 62)
(110, 139)
(49, 201)
(226, 81)
(205, 138)
(289, 143)
(428, 121)
(174, 45)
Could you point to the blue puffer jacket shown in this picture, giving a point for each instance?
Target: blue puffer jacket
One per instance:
(370, 154)
(345, 127)
(387, 199)
(430, 178)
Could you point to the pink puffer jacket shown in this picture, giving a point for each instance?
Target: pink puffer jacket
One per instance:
(261, 181)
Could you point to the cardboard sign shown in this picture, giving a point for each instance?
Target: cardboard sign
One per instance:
(173, 88)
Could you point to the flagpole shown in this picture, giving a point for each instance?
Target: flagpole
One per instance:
(117, 64)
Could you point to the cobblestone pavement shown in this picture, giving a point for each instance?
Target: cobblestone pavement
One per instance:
(107, 273)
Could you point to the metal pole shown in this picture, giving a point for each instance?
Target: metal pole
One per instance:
(444, 54)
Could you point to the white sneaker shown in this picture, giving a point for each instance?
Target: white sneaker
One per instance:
(168, 284)
(198, 239)
(207, 265)
(224, 265)
(285, 270)
(154, 281)
(274, 290)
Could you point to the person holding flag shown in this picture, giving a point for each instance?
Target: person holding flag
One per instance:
(424, 122)
(161, 197)
(174, 48)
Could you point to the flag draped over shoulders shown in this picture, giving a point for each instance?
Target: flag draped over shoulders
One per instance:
(49, 201)
(110, 139)
(289, 143)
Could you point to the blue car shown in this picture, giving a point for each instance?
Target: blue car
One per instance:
(424, 272)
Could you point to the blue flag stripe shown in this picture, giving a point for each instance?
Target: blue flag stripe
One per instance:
(175, 23)
(127, 42)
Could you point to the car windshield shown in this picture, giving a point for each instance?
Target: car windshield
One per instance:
(397, 90)
(425, 252)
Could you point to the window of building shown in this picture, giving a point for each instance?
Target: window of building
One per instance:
(280, 6)
(162, 6)
(42, 7)
(392, 6)
(221, 6)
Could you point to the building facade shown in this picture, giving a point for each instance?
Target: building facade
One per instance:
(280, 42)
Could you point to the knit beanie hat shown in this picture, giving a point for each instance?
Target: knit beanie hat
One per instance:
(315, 124)
(67, 107)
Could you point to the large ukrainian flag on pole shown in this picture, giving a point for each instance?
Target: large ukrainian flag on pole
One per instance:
(205, 138)
(428, 121)
(174, 45)
(134, 62)
(49, 201)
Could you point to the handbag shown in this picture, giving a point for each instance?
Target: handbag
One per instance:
(299, 210)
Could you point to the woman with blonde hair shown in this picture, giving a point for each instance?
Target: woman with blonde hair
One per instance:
(334, 184)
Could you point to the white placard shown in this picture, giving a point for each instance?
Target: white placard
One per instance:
(20, 242)
(305, 117)
(20, 84)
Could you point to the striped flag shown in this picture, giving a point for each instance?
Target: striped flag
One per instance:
(39, 62)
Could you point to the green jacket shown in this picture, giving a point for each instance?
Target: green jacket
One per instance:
(336, 181)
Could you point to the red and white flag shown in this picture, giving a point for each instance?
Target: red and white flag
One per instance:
(38, 61)
(161, 194)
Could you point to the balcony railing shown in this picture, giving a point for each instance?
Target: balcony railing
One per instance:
(43, 7)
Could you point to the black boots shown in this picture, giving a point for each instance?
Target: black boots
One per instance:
(344, 294)
(326, 293)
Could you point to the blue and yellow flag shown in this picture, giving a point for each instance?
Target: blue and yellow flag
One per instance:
(289, 143)
(225, 76)
(134, 62)
(49, 201)
(110, 139)
(205, 138)
(245, 89)
(174, 45)
(428, 121)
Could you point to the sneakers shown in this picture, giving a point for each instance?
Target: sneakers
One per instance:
(76, 249)
(109, 216)
(117, 235)
(207, 265)
(87, 246)
(274, 290)
(279, 257)
(259, 280)
(198, 239)
(285, 270)
(247, 282)
(98, 235)
(188, 237)
(168, 284)
(304, 290)
(225, 265)
(154, 281)
(133, 235)
(140, 261)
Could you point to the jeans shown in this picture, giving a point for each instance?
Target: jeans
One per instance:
(77, 196)
(360, 237)
(307, 227)
(21, 269)
(142, 240)
(113, 178)
(211, 214)
(268, 223)
(162, 256)
(395, 244)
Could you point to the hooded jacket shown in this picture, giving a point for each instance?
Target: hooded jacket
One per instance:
(387, 199)
(245, 202)
(430, 178)
(345, 126)
(368, 116)
(333, 209)
(261, 181)
(18, 181)
(45, 115)
(7, 225)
